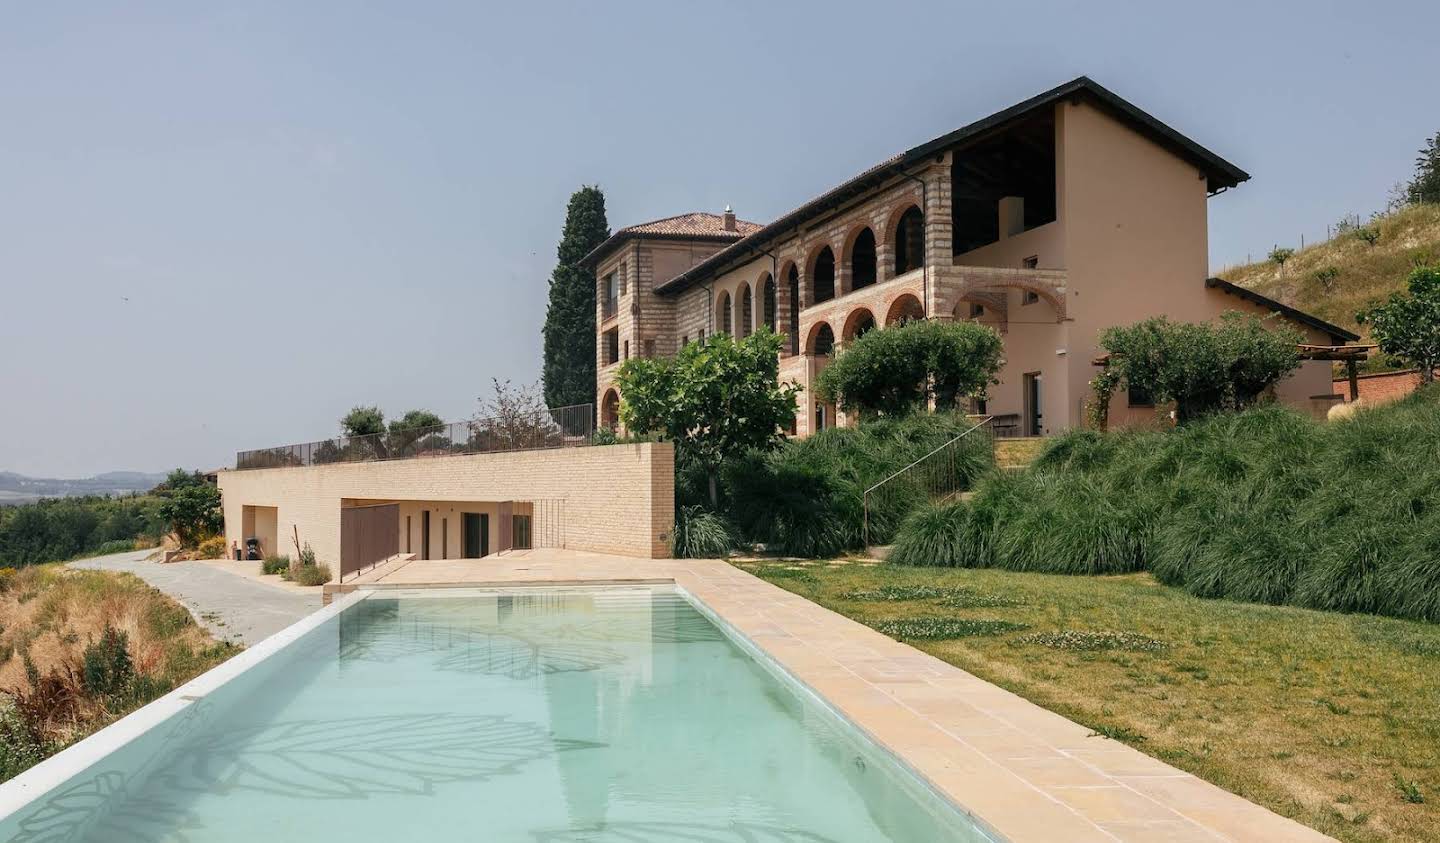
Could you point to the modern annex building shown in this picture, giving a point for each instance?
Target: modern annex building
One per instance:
(1051, 220)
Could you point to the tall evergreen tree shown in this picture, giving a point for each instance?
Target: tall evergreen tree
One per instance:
(1425, 187)
(569, 332)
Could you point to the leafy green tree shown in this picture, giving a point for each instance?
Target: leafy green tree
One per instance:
(1407, 325)
(363, 421)
(191, 506)
(898, 370)
(1279, 255)
(407, 430)
(1202, 367)
(1425, 187)
(569, 333)
(715, 399)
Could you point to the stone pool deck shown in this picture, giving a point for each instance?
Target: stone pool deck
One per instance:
(1027, 773)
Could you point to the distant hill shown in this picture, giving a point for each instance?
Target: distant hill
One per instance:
(18, 488)
(1339, 277)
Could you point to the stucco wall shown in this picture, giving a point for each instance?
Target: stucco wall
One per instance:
(617, 499)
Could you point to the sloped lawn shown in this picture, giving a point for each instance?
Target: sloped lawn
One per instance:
(1328, 718)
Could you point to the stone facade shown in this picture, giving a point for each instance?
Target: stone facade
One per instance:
(607, 499)
(1117, 233)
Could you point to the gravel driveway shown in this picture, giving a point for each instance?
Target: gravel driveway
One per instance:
(231, 606)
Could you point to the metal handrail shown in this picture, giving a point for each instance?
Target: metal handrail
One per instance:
(552, 427)
(865, 498)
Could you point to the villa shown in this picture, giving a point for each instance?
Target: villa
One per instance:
(1051, 220)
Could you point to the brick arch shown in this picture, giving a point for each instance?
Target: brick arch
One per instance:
(903, 308)
(744, 311)
(953, 293)
(857, 277)
(857, 322)
(817, 338)
(886, 234)
(610, 409)
(724, 312)
(808, 280)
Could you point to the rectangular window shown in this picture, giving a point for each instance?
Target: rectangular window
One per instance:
(701, 336)
(819, 416)
(977, 310)
(627, 350)
(612, 347)
(1139, 397)
(1032, 262)
(684, 340)
(610, 297)
(522, 532)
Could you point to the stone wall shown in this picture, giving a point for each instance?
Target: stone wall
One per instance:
(616, 499)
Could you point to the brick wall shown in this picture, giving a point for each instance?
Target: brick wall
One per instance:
(1381, 388)
(617, 499)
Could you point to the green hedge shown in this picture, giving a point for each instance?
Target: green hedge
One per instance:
(1265, 505)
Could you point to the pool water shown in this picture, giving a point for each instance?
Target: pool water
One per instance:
(618, 714)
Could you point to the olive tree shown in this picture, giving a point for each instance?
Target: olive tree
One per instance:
(898, 370)
(1203, 367)
(1407, 325)
(715, 399)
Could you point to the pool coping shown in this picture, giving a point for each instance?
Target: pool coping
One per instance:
(1027, 773)
(22, 791)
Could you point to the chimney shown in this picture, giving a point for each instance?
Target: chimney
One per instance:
(729, 219)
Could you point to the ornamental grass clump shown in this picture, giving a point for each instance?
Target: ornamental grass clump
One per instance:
(1265, 505)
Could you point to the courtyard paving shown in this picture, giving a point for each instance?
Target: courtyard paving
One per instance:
(233, 603)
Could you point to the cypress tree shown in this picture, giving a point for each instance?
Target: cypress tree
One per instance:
(569, 332)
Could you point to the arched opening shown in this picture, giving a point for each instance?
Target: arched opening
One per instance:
(910, 241)
(904, 309)
(857, 324)
(822, 340)
(747, 312)
(724, 314)
(768, 303)
(822, 276)
(862, 260)
(793, 290)
(610, 410)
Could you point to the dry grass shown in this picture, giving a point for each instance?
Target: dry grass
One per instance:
(51, 613)
(1337, 278)
(1331, 719)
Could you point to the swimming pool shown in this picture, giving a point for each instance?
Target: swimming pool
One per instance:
(543, 715)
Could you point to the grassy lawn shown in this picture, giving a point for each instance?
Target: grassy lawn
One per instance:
(1331, 719)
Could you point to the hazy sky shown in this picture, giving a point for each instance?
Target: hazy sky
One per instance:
(222, 225)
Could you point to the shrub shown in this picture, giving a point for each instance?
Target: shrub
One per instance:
(1265, 505)
(275, 565)
(313, 575)
(894, 371)
(107, 668)
(211, 548)
(700, 534)
(20, 747)
(807, 497)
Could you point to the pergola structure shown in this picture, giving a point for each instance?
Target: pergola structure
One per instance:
(1351, 355)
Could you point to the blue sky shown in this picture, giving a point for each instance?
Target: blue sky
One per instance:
(222, 225)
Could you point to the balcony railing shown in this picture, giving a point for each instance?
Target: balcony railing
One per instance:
(555, 427)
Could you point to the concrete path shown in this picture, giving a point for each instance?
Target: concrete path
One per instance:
(231, 606)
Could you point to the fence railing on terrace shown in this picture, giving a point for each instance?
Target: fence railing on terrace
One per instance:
(939, 476)
(555, 427)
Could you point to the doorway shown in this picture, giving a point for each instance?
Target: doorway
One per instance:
(1034, 414)
(425, 534)
(475, 532)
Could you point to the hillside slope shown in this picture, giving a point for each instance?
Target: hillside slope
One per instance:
(1336, 278)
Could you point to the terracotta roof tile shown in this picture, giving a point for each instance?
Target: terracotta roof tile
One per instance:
(697, 224)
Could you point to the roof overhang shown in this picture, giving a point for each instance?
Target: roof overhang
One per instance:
(1219, 173)
(1338, 335)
